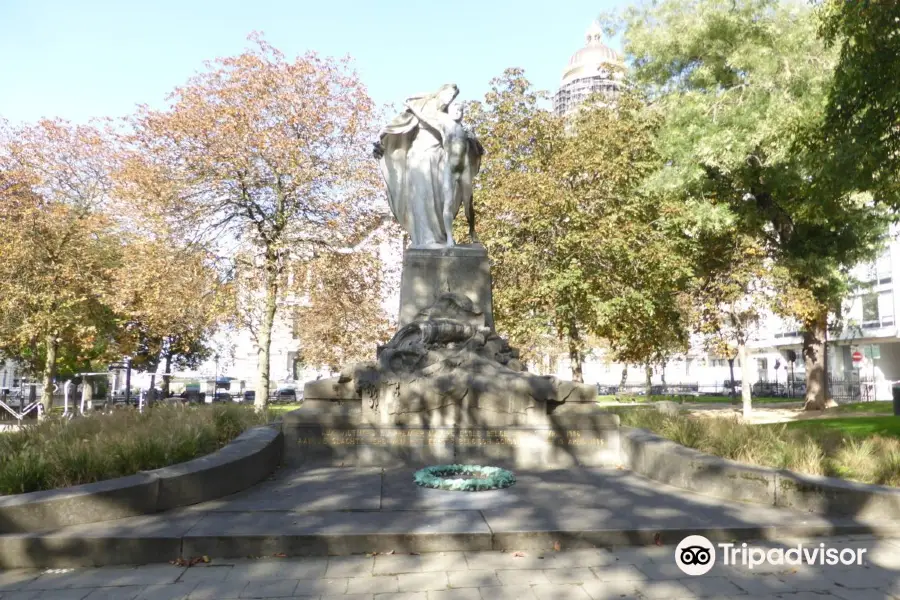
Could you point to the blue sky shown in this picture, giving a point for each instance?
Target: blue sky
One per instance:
(94, 58)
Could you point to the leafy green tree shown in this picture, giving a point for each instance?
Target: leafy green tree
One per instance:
(741, 87)
(569, 234)
(729, 294)
(861, 134)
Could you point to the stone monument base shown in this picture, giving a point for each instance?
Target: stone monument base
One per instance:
(448, 388)
(341, 437)
(430, 272)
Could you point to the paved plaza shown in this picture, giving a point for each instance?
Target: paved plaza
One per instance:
(588, 574)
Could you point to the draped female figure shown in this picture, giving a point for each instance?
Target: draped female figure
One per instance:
(413, 164)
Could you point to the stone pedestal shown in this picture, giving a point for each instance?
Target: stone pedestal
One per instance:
(448, 388)
(430, 272)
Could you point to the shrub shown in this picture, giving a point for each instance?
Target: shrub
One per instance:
(59, 452)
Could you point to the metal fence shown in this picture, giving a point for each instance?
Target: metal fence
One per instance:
(840, 389)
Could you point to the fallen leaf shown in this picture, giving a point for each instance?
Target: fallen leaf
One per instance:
(389, 552)
(280, 555)
(657, 539)
(414, 554)
(190, 562)
(556, 546)
(518, 554)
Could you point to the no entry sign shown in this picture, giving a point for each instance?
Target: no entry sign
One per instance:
(857, 357)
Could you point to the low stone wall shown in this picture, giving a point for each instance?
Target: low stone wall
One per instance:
(249, 458)
(667, 462)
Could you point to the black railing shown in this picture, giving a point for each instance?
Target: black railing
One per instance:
(840, 389)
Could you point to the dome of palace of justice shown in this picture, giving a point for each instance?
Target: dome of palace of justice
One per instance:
(595, 68)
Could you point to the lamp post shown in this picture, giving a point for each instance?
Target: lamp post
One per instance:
(127, 380)
(777, 366)
(216, 379)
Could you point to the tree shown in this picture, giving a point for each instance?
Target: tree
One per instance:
(730, 295)
(341, 321)
(860, 136)
(266, 151)
(172, 301)
(514, 193)
(742, 88)
(60, 251)
(560, 211)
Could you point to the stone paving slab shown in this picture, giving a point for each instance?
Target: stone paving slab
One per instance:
(589, 574)
(335, 533)
(344, 511)
(314, 489)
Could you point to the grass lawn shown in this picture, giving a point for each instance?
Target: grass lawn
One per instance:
(886, 408)
(859, 427)
(276, 410)
(692, 399)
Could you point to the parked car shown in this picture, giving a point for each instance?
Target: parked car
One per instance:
(249, 396)
(286, 395)
(222, 397)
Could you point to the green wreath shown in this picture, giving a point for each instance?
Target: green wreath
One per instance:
(476, 478)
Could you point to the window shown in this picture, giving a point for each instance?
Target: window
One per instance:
(878, 310)
(879, 271)
(870, 310)
(883, 269)
(886, 308)
(762, 364)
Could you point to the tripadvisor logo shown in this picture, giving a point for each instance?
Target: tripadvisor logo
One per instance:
(696, 555)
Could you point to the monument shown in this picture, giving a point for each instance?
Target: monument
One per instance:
(446, 387)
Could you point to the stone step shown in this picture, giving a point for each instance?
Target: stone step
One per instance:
(221, 534)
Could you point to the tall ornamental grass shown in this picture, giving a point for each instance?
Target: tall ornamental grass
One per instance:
(60, 452)
(873, 459)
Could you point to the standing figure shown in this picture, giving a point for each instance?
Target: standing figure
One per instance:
(462, 159)
(415, 156)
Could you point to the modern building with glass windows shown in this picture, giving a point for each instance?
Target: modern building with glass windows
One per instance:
(867, 326)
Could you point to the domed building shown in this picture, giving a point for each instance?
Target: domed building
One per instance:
(595, 68)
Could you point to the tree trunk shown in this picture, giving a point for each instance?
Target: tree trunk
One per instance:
(648, 372)
(624, 380)
(575, 356)
(746, 397)
(265, 335)
(51, 346)
(814, 340)
(663, 373)
(731, 381)
(166, 377)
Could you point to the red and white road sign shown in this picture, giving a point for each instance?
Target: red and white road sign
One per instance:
(857, 358)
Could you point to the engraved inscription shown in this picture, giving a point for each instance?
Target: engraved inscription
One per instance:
(461, 437)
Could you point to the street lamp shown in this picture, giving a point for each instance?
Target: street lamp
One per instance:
(127, 380)
(216, 379)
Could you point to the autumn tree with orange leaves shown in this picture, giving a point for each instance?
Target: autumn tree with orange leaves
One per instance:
(267, 156)
(171, 301)
(59, 248)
